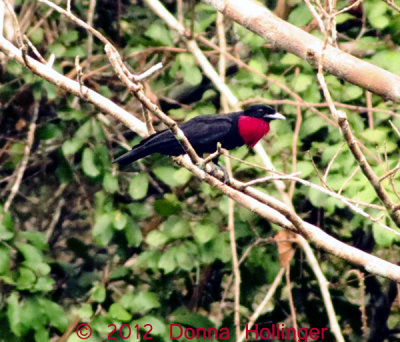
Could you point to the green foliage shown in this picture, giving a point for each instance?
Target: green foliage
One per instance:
(138, 186)
(148, 244)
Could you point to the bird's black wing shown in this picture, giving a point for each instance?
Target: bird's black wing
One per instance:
(205, 131)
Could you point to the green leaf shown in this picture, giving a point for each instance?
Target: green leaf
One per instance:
(51, 90)
(171, 176)
(311, 125)
(103, 229)
(6, 226)
(63, 171)
(382, 236)
(375, 136)
(55, 314)
(191, 73)
(300, 16)
(57, 49)
(69, 36)
(119, 220)
(351, 92)
(218, 248)
(167, 261)
(36, 36)
(343, 17)
(183, 257)
(37, 239)
(72, 146)
(41, 335)
(317, 198)
(290, 59)
(204, 232)
(379, 22)
(193, 320)
(4, 260)
(40, 268)
(305, 168)
(85, 311)
(158, 327)
(89, 166)
(30, 253)
(140, 302)
(138, 186)
(387, 59)
(99, 294)
(148, 259)
(176, 227)
(119, 273)
(133, 234)
(44, 284)
(73, 51)
(165, 208)
(302, 82)
(14, 314)
(110, 183)
(156, 238)
(26, 279)
(159, 33)
(118, 312)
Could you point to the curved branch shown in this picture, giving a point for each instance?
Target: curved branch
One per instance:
(286, 36)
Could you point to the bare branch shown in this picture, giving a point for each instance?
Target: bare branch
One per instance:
(24, 162)
(366, 168)
(262, 305)
(283, 35)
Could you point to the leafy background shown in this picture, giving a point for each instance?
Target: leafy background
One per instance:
(86, 242)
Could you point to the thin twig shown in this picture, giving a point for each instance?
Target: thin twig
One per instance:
(361, 284)
(24, 162)
(92, 7)
(290, 297)
(324, 286)
(368, 97)
(348, 179)
(231, 203)
(331, 162)
(295, 140)
(264, 302)
(366, 168)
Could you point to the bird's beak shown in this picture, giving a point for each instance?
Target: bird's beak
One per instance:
(276, 116)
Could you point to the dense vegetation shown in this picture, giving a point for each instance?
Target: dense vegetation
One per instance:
(86, 242)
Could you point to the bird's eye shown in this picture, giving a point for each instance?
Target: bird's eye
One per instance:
(260, 110)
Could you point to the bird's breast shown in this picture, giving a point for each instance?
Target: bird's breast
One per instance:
(252, 129)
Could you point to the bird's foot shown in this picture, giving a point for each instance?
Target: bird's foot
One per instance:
(215, 155)
(224, 170)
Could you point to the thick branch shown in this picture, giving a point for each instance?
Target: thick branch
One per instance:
(286, 36)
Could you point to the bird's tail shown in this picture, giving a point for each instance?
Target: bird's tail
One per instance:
(136, 153)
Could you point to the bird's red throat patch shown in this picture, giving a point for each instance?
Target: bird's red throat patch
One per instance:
(252, 129)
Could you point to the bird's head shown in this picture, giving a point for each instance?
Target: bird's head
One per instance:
(264, 112)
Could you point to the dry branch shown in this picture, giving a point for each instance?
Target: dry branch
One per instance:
(285, 36)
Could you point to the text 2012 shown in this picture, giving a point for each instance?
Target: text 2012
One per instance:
(125, 331)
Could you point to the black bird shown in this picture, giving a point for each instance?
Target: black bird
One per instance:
(205, 131)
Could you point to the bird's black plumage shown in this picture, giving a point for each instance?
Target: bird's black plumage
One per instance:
(203, 132)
